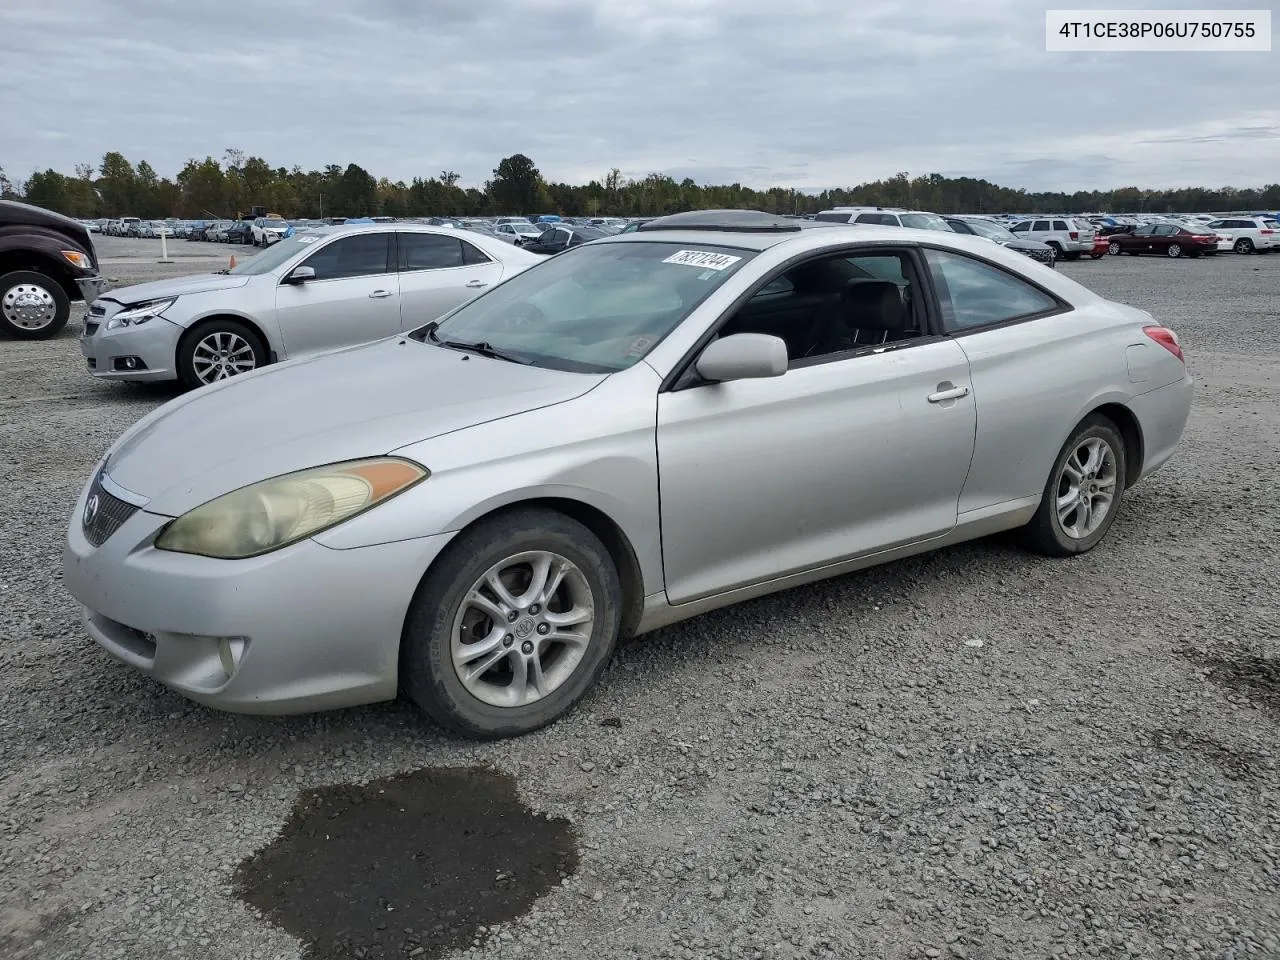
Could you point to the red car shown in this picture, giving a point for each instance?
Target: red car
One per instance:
(1168, 239)
(1101, 246)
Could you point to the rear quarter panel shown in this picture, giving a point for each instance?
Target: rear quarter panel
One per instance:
(1033, 383)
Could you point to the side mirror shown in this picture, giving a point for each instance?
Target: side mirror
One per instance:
(300, 275)
(743, 356)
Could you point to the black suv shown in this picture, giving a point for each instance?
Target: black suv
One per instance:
(46, 261)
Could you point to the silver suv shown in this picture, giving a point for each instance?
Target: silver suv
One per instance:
(1070, 236)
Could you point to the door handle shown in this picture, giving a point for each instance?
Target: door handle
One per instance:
(476, 283)
(380, 294)
(950, 393)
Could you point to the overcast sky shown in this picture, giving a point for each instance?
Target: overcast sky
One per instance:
(802, 93)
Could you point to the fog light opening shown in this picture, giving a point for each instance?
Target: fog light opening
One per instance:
(230, 653)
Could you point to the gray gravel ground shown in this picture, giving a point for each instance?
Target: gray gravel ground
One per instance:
(838, 771)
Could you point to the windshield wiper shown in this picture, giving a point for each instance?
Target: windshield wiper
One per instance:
(481, 347)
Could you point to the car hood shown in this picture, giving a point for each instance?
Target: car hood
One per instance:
(359, 402)
(178, 287)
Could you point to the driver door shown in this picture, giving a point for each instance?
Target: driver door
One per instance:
(846, 454)
(354, 298)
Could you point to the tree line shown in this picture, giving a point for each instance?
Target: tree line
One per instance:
(229, 187)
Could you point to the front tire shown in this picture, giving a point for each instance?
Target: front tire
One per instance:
(218, 350)
(1174, 251)
(512, 626)
(1083, 493)
(1114, 249)
(33, 305)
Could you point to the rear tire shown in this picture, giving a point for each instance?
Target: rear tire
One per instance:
(1243, 245)
(33, 305)
(1062, 526)
(436, 629)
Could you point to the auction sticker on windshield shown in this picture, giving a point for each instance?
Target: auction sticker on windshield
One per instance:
(703, 259)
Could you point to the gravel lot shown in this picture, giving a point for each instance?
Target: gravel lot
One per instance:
(974, 754)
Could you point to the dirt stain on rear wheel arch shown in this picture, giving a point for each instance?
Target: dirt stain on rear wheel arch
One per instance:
(417, 860)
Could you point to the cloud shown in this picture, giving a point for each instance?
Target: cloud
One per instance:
(805, 94)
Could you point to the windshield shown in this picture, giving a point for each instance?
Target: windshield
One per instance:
(991, 231)
(595, 308)
(526, 229)
(273, 256)
(924, 221)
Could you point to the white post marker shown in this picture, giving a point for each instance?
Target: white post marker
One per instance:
(164, 247)
(1157, 31)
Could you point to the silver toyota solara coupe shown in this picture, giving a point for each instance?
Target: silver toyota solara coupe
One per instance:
(714, 407)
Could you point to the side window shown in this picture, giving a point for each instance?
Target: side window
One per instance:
(429, 251)
(1165, 230)
(1040, 225)
(834, 305)
(883, 219)
(1217, 224)
(359, 256)
(1060, 225)
(1142, 232)
(1020, 227)
(974, 294)
(471, 254)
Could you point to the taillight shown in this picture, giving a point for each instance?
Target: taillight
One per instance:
(1167, 339)
(1266, 233)
(1074, 235)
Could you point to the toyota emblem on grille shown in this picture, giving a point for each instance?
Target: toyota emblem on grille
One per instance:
(91, 510)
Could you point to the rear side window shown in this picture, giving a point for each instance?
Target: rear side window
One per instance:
(973, 294)
(471, 254)
(882, 219)
(833, 217)
(1060, 225)
(429, 251)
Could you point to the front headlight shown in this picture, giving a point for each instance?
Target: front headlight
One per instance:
(140, 313)
(272, 514)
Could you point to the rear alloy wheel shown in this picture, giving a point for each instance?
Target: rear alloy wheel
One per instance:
(513, 624)
(1083, 494)
(33, 306)
(1114, 249)
(1243, 245)
(218, 351)
(1175, 250)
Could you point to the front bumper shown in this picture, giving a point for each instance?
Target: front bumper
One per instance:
(153, 345)
(91, 288)
(318, 628)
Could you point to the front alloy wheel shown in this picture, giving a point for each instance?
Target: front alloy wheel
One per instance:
(1114, 249)
(523, 629)
(218, 351)
(1175, 250)
(512, 625)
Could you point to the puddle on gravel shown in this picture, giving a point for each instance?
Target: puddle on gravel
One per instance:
(418, 860)
(1257, 678)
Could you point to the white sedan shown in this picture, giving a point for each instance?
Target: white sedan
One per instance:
(310, 293)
